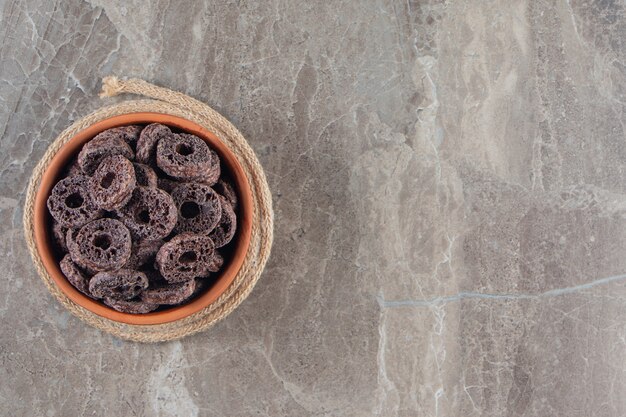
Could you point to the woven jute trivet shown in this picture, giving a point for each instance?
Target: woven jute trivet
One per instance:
(163, 100)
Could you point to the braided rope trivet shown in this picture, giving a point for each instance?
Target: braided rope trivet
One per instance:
(177, 104)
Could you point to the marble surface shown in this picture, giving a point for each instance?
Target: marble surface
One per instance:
(449, 182)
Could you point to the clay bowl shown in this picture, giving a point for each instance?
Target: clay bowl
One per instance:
(234, 259)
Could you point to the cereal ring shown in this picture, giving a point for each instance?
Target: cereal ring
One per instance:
(184, 257)
(185, 156)
(70, 203)
(150, 214)
(144, 175)
(121, 284)
(148, 139)
(74, 275)
(130, 306)
(70, 242)
(101, 245)
(129, 134)
(112, 184)
(199, 208)
(227, 227)
(100, 147)
(168, 184)
(170, 294)
(226, 190)
(143, 252)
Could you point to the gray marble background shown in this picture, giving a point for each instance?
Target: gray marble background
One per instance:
(449, 188)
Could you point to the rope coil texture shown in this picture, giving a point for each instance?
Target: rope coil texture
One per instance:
(163, 100)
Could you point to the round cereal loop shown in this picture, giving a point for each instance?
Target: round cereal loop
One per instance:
(148, 139)
(199, 208)
(70, 203)
(143, 253)
(74, 275)
(144, 175)
(150, 214)
(184, 257)
(226, 190)
(101, 245)
(121, 284)
(130, 306)
(170, 294)
(185, 157)
(168, 184)
(112, 184)
(129, 134)
(70, 242)
(227, 226)
(100, 147)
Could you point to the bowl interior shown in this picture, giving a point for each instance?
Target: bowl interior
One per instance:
(234, 259)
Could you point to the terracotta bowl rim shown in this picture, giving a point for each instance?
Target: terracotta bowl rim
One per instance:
(221, 282)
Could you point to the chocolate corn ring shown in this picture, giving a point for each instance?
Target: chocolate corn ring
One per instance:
(170, 294)
(112, 184)
(130, 306)
(199, 208)
(150, 214)
(187, 157)
(185, 257)
(102, 245)
(100, 147)
(74, 275)
(122, 284)
(71, 204)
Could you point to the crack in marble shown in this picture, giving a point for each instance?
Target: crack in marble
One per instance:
(436, 301)
(386, 385)
(294, 392)
(574, 25)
